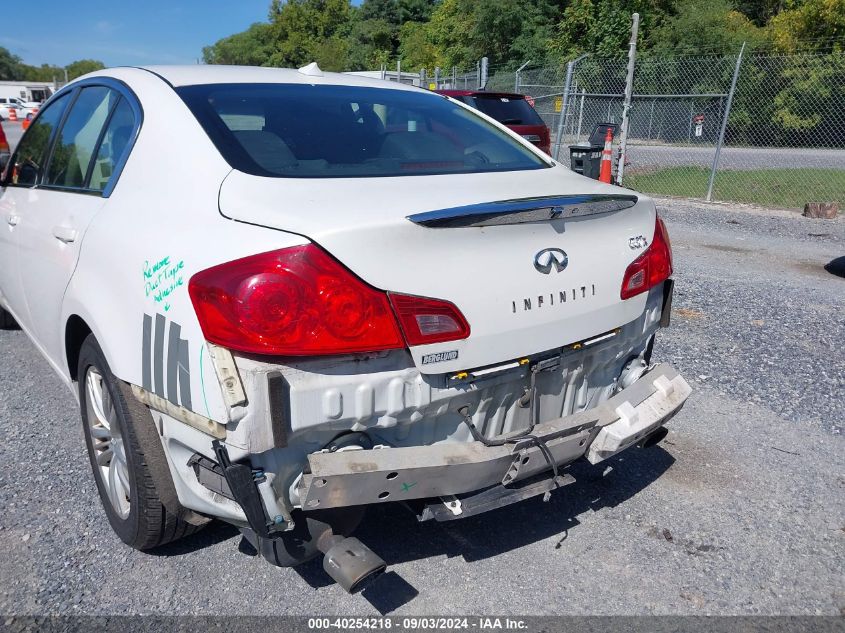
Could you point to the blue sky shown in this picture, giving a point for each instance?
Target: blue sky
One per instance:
(119, 32)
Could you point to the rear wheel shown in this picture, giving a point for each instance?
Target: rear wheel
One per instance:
(128, 494)
(6, 321)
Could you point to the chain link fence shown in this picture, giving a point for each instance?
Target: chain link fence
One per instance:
(784, 139)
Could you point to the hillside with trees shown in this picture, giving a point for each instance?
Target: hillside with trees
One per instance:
(12, 68)
(447, 33)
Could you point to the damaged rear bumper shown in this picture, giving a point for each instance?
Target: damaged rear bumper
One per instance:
(360, 477)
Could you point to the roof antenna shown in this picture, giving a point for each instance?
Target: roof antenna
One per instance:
(312, 70)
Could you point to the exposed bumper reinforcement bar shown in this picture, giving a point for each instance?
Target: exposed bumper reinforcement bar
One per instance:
(359, 477)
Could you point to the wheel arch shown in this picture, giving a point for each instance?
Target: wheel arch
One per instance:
(76, 331)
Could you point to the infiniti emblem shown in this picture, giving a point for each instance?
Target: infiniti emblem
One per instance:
(550, 258)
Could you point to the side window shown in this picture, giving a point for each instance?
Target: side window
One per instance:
(114, 142)
(28, 163)
(77, 141)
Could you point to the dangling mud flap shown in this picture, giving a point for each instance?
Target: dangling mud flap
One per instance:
(360, 477)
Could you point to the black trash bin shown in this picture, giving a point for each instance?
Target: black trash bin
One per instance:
(585, 158)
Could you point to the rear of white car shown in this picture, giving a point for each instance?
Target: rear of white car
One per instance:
(393, 298)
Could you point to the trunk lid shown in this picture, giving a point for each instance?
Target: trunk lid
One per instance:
(488, 271)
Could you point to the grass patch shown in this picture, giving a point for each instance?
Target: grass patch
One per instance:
(790, 188)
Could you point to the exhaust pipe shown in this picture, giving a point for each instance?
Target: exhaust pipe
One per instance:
(653, 438)
(349, 562)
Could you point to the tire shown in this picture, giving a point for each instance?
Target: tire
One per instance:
(6, 321)
(127, 492)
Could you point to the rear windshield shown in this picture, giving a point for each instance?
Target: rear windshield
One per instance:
(507, 110)
(306, 131)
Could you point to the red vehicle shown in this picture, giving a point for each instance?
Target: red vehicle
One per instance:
(513, 110)
(4, 149)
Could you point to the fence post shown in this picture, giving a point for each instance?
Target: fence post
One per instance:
(482, 83)
(399, 70)
(651, 118)
(564, 106)
(424, 78)
(724, 126)
(454, 77)
(626, 104)
(516, 78)
(437, 77)
(689, 123)
(580, 117)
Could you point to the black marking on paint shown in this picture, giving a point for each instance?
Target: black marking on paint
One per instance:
(177, 372)
(146, 361)
(184, 374)
(172, 362)
(158, 355)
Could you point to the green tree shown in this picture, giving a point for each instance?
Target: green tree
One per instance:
(252, 47)
(705, 27)
(83, 67)
(10, 65)
(310, 30)
(44, 72)
(416, 47)
(372, 42)
(817, 25)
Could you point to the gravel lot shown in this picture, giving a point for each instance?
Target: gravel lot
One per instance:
(740, 511)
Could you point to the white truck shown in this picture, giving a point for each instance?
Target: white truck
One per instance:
(284, 296)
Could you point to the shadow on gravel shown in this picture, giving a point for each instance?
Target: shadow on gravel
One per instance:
(214, 533)
(836, 267)
(395, 534)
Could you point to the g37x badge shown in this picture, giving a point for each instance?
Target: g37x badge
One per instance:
(638, 242)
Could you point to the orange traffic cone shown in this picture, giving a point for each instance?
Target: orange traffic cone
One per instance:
(606, 158)
(13, 115)
(25, 124)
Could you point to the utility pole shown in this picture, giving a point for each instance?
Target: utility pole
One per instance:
(629, 92)
(724, 125)
(482, 84)
(564, 103)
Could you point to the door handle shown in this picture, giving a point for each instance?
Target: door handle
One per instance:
(13, 219)
(64, 234)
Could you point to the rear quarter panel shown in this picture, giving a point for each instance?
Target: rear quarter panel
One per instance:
(160, 226)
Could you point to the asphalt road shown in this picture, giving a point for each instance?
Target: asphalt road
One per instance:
(740, 158)
(740, 511)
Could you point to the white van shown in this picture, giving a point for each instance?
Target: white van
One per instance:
(27, 93)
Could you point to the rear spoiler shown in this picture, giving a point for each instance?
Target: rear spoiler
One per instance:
(524, 210)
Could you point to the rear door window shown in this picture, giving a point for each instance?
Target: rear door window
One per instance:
(114, 144)
(77, 142)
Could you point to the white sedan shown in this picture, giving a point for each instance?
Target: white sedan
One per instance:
(281, 296)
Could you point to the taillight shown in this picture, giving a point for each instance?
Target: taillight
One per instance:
(300, 301)
(425, 321)
(652, 267)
